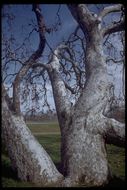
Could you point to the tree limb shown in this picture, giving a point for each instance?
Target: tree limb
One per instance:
(114, 132)
(44, 65)
(69, 88)
(114, 27)
(31, 61)
(58, 84)
(109, 58)
(7, 98)
(20, 141)
(83, 16)
(110, 9)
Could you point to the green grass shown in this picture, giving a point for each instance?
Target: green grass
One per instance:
(52, 145)
(116, 158)
(9, 177)
(44, 128)
(51, 142)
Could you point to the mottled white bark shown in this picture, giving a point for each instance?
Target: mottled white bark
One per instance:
(113, 131)
(27, 156)
(84, 128)
(83, 150)
(62, 103)
(110, 9)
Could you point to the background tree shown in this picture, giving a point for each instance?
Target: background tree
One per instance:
(78, 72)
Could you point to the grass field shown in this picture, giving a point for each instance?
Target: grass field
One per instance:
(45, 128)
(49, 137)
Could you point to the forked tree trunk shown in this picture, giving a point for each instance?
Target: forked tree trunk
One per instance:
(83, 130)
(84, 155)
(83, 151)
(84, 127)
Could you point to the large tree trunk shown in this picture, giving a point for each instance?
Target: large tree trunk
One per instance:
(84, 127)
(83, 146)
(27, 156)
(84, 155)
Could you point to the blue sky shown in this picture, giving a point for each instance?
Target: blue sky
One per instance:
(24, 16)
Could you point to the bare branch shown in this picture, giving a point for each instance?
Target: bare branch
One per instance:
(58, 85)
(11, 74)
(114, 27)
(109, 58)
(110, 9)
(7, 98)
(13, 59)
(43, 65)
(83, 16)
(31, 61)
(42, 30)
(56, 55)
(76, 68)
(69, 88)
(115, 132)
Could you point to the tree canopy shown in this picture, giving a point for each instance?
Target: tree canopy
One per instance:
(58, 27)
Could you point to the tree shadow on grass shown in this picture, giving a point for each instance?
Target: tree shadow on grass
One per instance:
(7, 171)
(59, 166)
(114, 183)
(117, 183)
